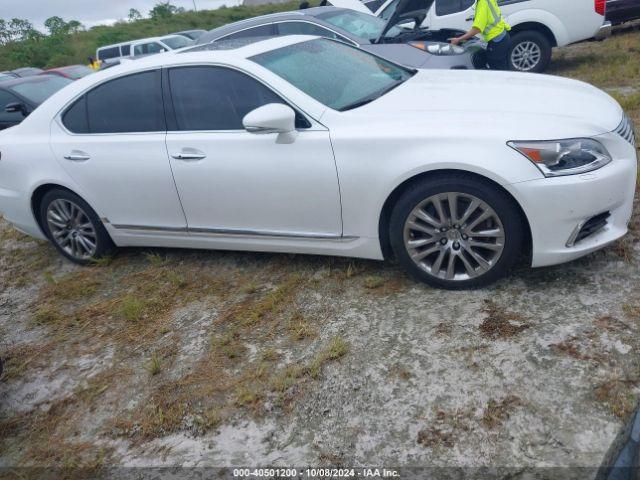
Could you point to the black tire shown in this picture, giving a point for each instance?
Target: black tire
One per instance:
(503, 206)
(103, 243)
(538, 39)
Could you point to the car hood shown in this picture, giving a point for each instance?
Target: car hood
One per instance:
(511, 105)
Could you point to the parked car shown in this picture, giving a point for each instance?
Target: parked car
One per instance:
(7, 76)
(191, 34)
(620, 11)
(73, 72)
(19, 97)
(309, 145)
(537, 25)
(423, 49)
(27, 71)
(142, 47)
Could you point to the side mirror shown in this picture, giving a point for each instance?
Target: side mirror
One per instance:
(17, 107)
(272, 118)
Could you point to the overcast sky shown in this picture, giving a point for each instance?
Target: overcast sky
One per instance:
(92, 12)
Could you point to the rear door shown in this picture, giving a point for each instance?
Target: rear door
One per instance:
(111, 141)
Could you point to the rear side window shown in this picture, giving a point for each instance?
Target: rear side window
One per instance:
(126, 50)
(261, 31)
(107, 53)
(215, 98)
(125, 105)
(75, 118)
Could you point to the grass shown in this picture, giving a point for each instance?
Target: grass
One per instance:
(500, 323)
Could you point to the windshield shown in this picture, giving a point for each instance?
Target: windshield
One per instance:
(338, 75)
(38, 91)
(176, 42)
(359, 24)
(389, 10)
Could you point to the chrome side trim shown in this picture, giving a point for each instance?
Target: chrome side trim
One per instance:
(226, 232)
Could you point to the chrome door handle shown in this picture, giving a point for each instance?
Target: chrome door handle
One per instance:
(189, 154)
(76, 156)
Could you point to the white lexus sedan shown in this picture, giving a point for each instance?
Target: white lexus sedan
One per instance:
(307, 145)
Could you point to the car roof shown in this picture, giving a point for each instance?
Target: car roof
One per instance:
(205, 54)
(315, 12)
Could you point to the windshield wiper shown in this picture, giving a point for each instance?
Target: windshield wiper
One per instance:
(372, 97)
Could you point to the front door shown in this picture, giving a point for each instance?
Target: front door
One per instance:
(112, 143)
(231, 181)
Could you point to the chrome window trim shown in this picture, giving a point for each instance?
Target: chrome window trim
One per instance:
(315, 124)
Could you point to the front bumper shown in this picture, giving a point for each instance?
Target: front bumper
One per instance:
(605, 31)
(556, 206)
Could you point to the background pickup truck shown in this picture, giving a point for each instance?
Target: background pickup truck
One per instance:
(537, 25)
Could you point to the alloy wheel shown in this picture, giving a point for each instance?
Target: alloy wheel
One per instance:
(454, 236)
(71, 229)
(526, 56)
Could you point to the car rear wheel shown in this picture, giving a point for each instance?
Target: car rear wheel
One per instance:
(73, 227)
(530, 51)
(456, 232)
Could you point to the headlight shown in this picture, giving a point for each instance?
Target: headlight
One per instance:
(439, 48)
(564, 157)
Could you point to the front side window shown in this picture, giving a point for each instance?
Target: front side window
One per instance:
(127, 104)
(338, 75)
(304, 28)
(215, 98)
(362, 25)
(261, 31)
(5, 99)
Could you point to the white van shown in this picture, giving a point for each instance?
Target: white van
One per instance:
(537, 25)
(142, 47)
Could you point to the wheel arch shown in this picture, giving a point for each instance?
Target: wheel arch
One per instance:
(38, 194)
(385, 214)
(536, 27)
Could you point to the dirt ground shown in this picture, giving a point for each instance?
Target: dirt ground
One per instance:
(195, 358)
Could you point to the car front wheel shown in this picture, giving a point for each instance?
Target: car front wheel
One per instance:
(456, 232)
(73, 227)
(530, 51)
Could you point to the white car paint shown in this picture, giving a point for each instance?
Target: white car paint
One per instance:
(324, 192)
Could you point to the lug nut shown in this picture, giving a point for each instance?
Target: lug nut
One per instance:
(465, 236)
(443, 241)
(457, 227)
(456, 246)
(443, 229)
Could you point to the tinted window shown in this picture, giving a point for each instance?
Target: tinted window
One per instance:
(75, 118)
(466, 4)
(212, 98)
(261, 31)
(128, 104)
(126, 50)
(5, 99)
(106, 53)
(304, 28)
(447, 7)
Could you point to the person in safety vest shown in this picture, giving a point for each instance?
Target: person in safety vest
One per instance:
(489, 22)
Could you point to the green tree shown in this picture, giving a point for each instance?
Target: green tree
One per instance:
(134, 15)
(164, 10)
